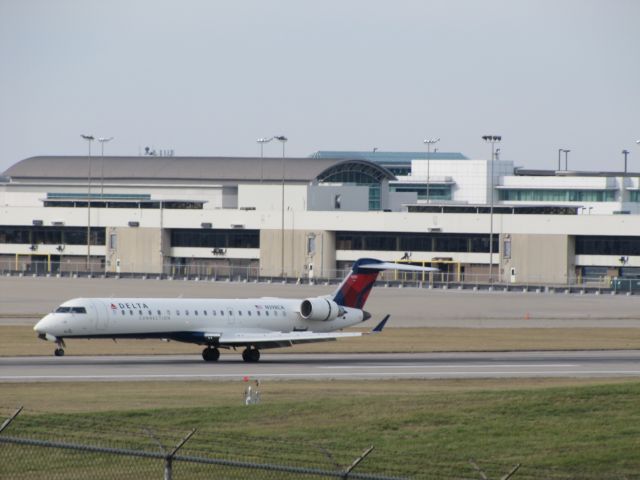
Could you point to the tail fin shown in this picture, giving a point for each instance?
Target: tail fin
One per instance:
(354, 290)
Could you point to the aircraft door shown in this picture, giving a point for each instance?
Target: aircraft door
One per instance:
(100, 314)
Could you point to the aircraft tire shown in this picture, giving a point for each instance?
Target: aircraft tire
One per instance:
(58, 352)
(251, 355)
(210, 354)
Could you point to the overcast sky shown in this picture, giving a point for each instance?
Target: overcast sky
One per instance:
(210, 77)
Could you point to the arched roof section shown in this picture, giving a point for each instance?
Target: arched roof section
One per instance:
(355, 171)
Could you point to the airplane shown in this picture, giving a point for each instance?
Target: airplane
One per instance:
(252, 323)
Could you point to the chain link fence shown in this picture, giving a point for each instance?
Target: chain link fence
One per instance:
(90, 448)
(69, 447)
(251, 274)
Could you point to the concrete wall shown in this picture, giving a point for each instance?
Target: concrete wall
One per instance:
(299, 260)
(397, 200)
(471, 177)
(137, 249)
(352, 198)
(538, 258)
(268, 197)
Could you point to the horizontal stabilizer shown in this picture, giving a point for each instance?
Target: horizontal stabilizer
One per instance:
(378, 328)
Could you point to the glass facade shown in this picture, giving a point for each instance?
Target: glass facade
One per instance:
(215, 238)
(415, 242)
(50, 235)
(542, 195)
(436, 192)
(168, 205)
(356, 174)
(634, 195)
(607, 245)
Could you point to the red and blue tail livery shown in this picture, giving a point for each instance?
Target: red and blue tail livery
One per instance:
(354, 290)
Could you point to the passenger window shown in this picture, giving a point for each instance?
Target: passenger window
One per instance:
(150, 313)
(249, 312)
(230, 313)
(258, 312)
(195, 313)
(221, 313)
(239, 313)
(122, 311)
(204, 313)
(267, 313)
(214, 312)
(186, 312)
(139, 312)
(130, 312)
(159, 313)
(178, 313)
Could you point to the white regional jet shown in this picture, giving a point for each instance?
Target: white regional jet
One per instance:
(252, 323)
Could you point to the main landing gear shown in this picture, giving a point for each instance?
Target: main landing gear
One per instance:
(211, 354)
(251, 355)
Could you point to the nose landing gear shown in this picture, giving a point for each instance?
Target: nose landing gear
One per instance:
(59, 352)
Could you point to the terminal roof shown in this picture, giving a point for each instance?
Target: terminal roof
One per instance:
(154, 168)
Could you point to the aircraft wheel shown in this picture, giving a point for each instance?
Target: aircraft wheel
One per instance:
(251, 355)
(58, 352)
(210, 354)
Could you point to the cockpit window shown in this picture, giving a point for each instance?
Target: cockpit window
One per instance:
(71, 310)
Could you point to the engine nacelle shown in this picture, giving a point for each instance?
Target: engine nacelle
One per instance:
(320, 309)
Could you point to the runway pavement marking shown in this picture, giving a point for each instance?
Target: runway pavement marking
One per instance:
(550, 365)
(316, 375)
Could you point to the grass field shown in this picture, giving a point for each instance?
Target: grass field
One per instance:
(422, 429)
(21, 340)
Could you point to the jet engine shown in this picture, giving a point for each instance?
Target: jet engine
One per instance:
(320, 309)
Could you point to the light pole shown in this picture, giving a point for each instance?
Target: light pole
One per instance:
(559, 159)
(428, 142)
(282, 139)
(102, 141)
(566, 158)
(89, 139)
(492, 139)
(262, 141)
(625, 152)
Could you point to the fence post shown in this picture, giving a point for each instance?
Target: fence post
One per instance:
(168, 456)
(357, 461)
(8, 421)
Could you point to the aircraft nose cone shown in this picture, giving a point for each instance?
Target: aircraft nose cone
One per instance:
(42, 325)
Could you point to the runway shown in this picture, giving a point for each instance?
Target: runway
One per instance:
(324, 367)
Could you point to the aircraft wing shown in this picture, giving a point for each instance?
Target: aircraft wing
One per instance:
(280, 339)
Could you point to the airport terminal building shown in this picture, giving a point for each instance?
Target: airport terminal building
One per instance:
(313, 216)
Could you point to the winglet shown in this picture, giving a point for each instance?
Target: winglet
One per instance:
(378, 328)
